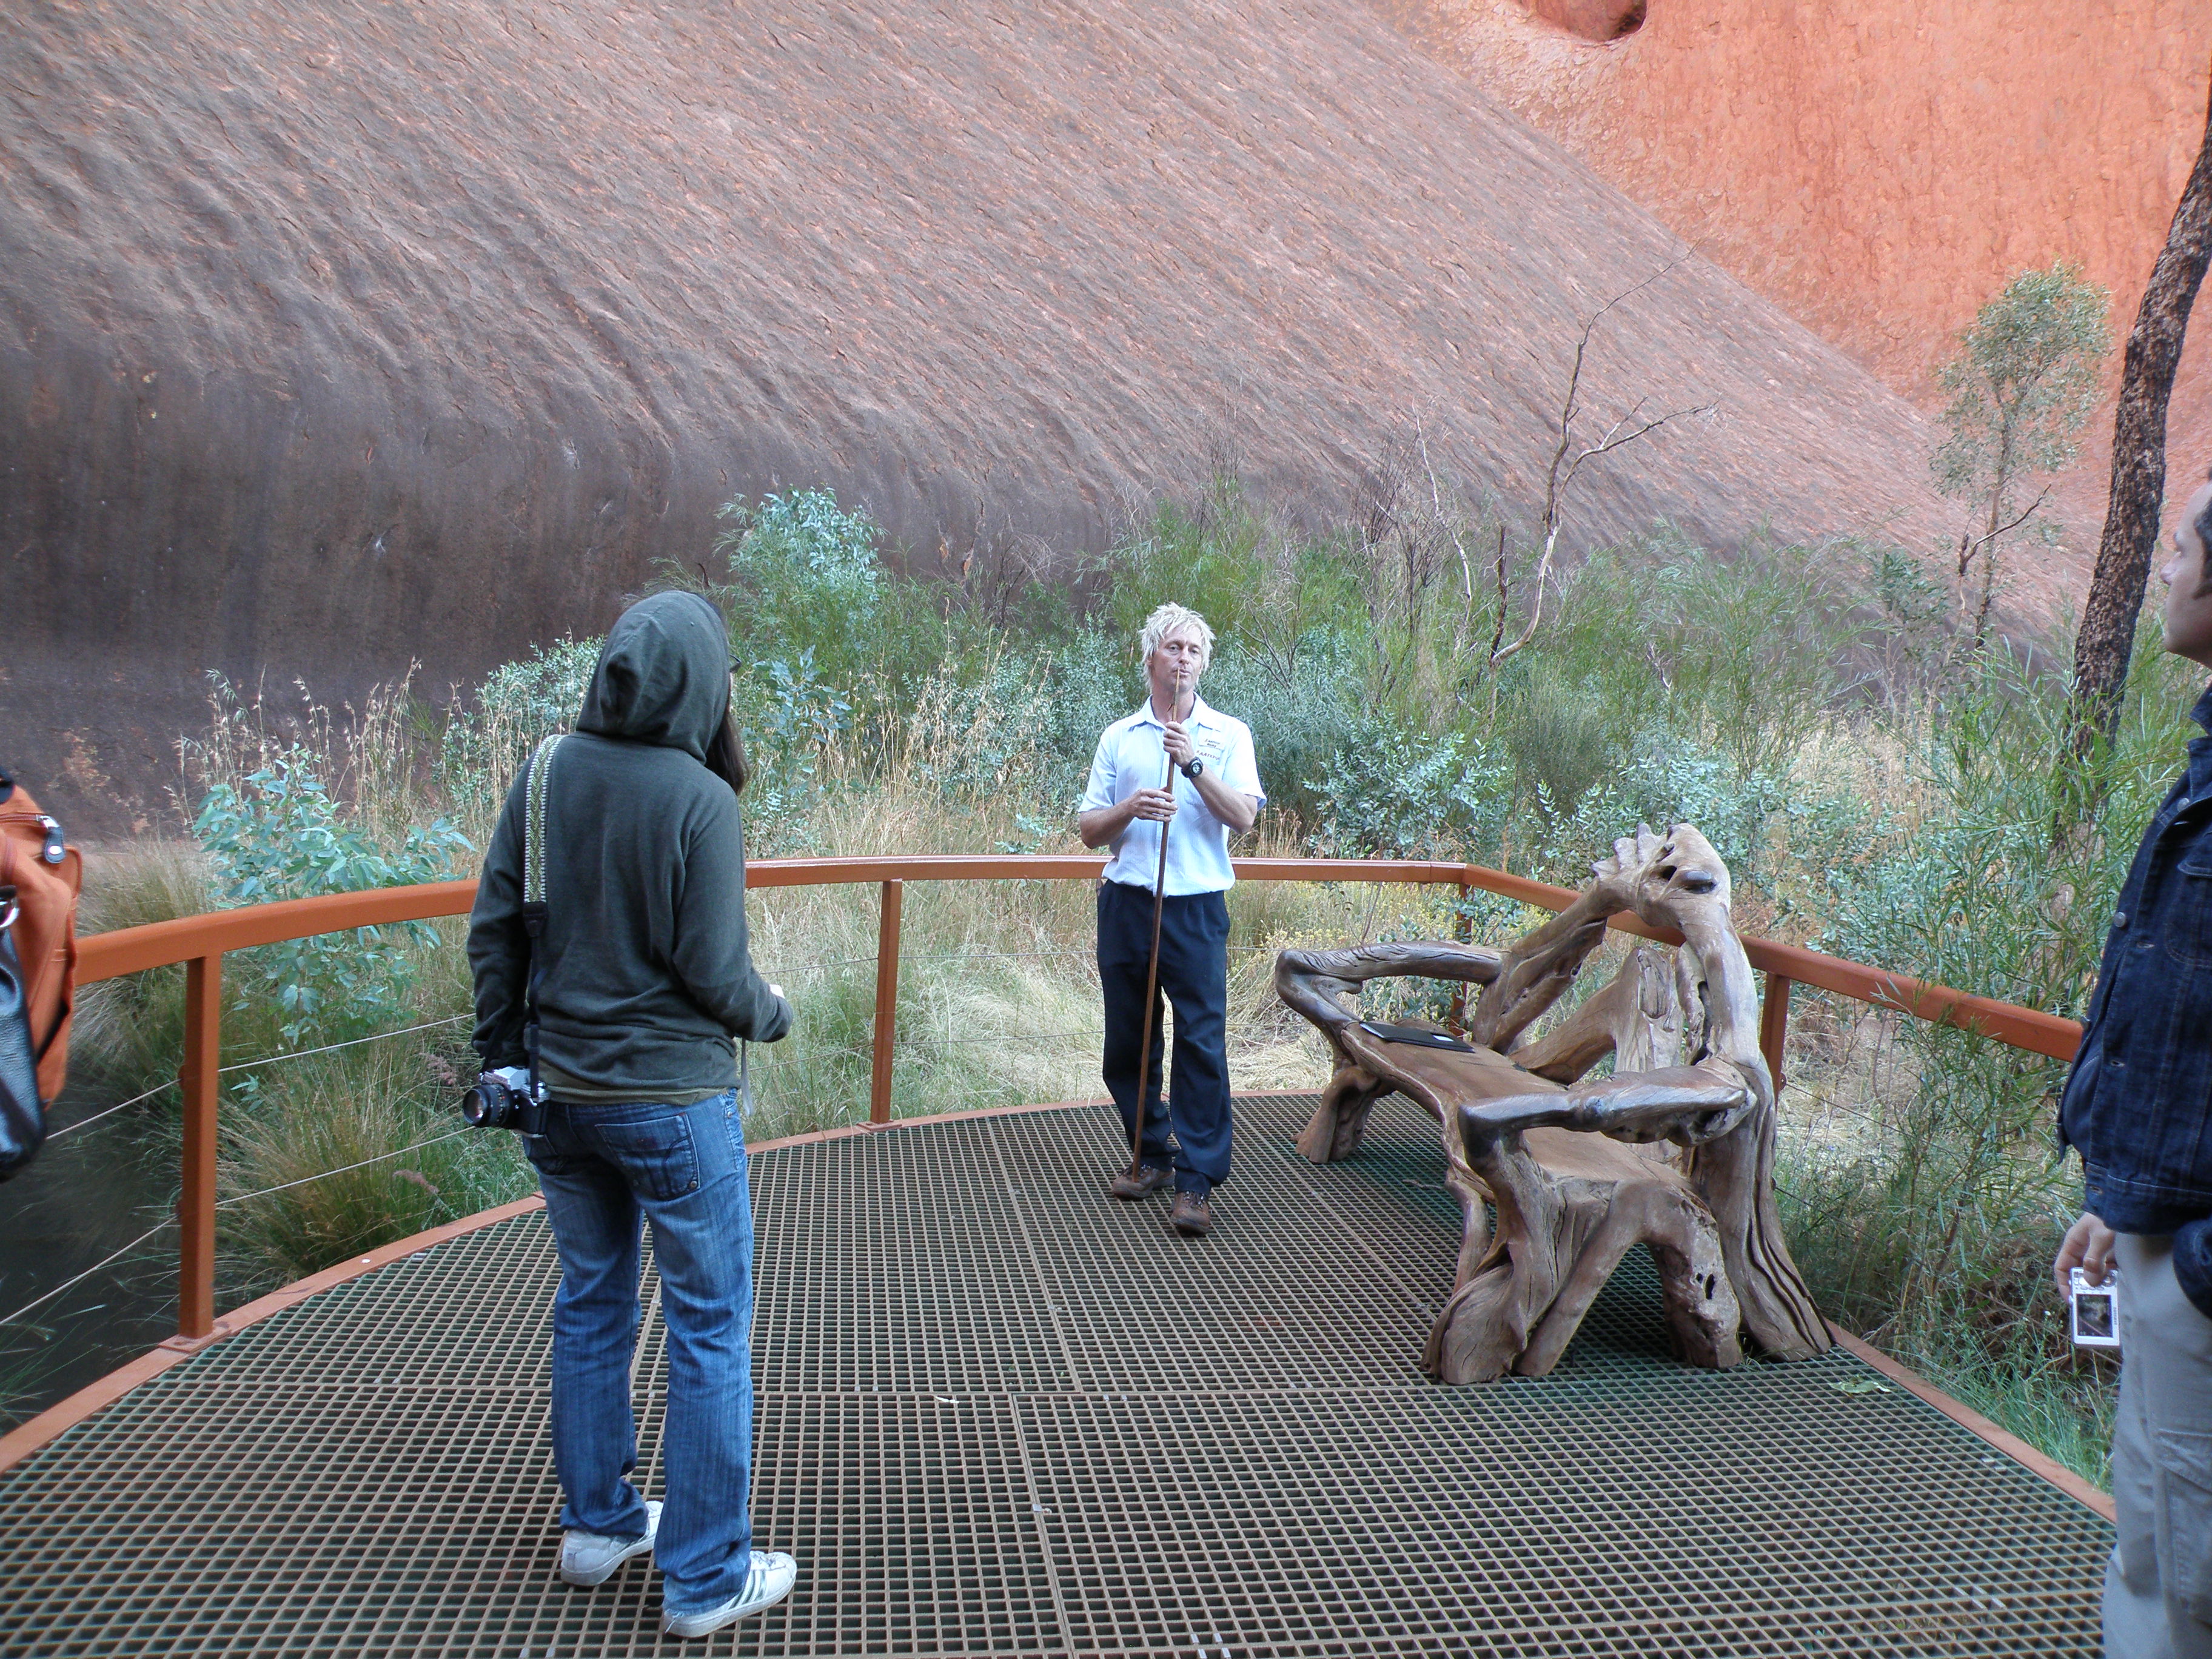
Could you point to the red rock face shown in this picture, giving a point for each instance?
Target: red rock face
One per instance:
(1881, 168)
(329, 339)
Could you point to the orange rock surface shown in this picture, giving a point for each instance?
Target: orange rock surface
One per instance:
(330, 344)
(1879, 169)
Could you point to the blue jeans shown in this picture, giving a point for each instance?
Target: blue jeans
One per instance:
(1195, 980)
(604, 1169)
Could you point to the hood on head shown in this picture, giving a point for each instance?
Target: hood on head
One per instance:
(664, 676)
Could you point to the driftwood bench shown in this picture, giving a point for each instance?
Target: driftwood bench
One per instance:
(1679, 1157)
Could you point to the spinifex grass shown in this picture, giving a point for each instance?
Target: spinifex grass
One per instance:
(130, 1032)
(335, 1154)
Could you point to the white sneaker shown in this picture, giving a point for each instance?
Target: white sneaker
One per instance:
(767, 1583)
(590, 1558)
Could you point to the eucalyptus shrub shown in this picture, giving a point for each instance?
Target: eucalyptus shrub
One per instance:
(1937, 1228)
(1752, 817)
(1394, 793)
(1983, 881)
(1304, 710)
(277, 834)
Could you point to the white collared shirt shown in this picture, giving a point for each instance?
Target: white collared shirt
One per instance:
(1132, 756)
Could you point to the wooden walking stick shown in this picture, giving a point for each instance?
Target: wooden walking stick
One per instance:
(1153, 971)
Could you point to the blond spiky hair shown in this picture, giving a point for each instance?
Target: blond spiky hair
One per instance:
(1173, 618)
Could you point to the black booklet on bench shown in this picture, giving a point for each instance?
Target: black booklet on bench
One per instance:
(1416, 1036)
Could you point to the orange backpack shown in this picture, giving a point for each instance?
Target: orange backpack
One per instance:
(41, 875)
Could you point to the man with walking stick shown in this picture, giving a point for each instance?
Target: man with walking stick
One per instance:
(1162, 922)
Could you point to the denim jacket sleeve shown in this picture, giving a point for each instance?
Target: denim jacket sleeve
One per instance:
(2137, 1104)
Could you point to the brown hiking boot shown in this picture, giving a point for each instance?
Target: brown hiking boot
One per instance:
(1149, 1179)
(1190, 1216)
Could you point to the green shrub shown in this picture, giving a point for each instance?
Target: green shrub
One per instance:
(1207, 557)
(1978, 878)
(1935, 1230)
(799, 552)
(1566, 733)
(1303, 715)
(808, 594)
(1094, 682)
(276, 833)
(1395, 794)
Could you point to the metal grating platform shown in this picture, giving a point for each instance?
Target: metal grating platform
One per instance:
(1000, 1413)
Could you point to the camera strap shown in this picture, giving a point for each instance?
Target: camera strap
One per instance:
(535, 783)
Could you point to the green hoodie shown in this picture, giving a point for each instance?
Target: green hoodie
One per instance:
(646, 978)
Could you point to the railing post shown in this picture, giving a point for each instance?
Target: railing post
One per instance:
(887, 956)
(1463, 931)
(197, 1079)
(1774, 1026)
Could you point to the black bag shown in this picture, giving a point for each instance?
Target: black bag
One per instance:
(23, 1120)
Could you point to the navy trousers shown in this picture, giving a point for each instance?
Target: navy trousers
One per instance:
(1194, 979)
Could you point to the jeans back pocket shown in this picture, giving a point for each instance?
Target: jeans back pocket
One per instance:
(655, 1154)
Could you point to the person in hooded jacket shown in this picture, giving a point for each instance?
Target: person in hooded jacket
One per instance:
(645, 981)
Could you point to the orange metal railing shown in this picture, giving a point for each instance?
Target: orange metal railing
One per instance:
(200, 942)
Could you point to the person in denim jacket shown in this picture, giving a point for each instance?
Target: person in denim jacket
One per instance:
(2138, 1106)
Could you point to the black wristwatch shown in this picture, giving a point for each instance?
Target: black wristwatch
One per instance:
(1191, 770)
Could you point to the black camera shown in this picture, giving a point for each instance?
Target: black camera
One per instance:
(493, 1102)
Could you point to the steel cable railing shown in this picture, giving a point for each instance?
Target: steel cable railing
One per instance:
(166, 1222)
(904, 1042)
(254, 1065)
(200, 942)
(107, 1112)
(344, 1169)
(38, 1302)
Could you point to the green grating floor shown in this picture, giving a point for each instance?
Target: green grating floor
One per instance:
(1000, 1413)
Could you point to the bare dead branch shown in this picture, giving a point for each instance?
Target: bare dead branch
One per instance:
(1967, 549)
(1567, 462)
(1443, 520)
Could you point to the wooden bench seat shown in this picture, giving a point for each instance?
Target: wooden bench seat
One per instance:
(1678, 1157)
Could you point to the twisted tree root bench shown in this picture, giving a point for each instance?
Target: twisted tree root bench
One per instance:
(1679, 1157)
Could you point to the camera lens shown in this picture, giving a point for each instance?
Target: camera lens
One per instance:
(484, 1104)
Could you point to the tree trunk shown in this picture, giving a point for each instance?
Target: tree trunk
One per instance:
(1989, 541)
(2116, 590)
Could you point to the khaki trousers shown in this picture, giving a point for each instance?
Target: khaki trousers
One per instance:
(2158, 1586)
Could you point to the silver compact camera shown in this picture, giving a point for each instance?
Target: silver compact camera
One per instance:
(2093, 1311)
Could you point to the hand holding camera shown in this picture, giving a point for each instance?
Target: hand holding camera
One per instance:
(2085, 1272)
